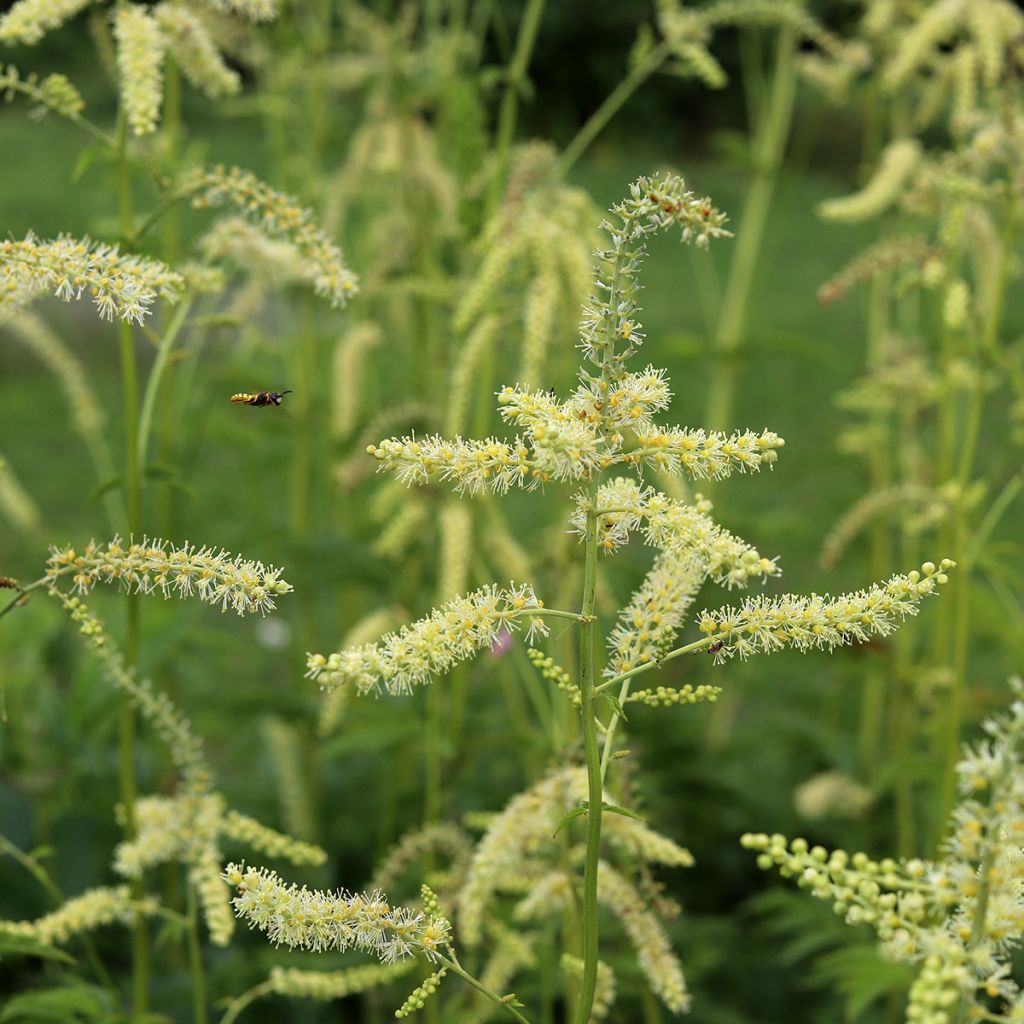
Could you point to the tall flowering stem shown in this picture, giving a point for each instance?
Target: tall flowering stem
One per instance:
(588, 983)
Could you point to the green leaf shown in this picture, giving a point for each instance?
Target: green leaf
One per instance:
(624, 811)
(576, 812)
(102, 488)
(23, 945)
(163, 473)
(85, 160)
(615, 704)
(73, 1004)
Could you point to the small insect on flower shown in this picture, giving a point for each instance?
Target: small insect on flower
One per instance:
(6, 583)
(261, 398)
(716, 647)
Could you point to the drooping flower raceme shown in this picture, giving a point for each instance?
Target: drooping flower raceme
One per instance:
(417, 653)
(302, 918)
(280, 216)
(213, 576)
(189, 828)
(29, 20)
(92, 909)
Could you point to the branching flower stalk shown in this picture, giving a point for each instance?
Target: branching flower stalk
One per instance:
(609, 422)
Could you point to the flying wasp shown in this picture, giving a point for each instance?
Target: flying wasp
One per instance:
(261, 398)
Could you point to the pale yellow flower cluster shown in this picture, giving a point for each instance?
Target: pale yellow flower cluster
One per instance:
(141, 47)
(519, 839)
(215, 577)
(470, 466)
(653, 205)
(327, 985)
(194, 50)
(55, 92)
(959, 919)
(897, 163)
(452, 633)
(29, 20)
(92, 909)
(604, 994)
(189, 828)
(315, 920)
(553, 893)
(254, 10)
(648, 625)
(764, 624)
(120, 285)
(692, 548)
(566, 442)
(243, 243)
(705, 454)
(279, 215)
(654, 954)
(156, 707)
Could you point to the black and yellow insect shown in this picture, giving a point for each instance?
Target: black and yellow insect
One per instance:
(261, 398)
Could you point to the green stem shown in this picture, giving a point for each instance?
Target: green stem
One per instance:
(172, 132)
(433, 754)
(452, 963)
(163, 353)
(961, 613)
(610, 107)
(588, 984)
(195, 957)
(697, 645)
(246, 999)
(167, 203)
(995, 512)
(769, 145)
(133, 503)
(515, 81)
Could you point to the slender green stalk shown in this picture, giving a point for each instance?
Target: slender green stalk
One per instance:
(610, 107)
(452, 963)
(195, 956)
(246, 999)
(163, 352)
(987, 344)
(515, 81)
(169, 201)
(433, 757)
(873, 698)
(592, 755)
(172, 133)
(697, 645)
(133, 503)
(768, 148)
(1002, 502)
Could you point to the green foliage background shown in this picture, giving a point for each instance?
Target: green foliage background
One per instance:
(751, 949)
